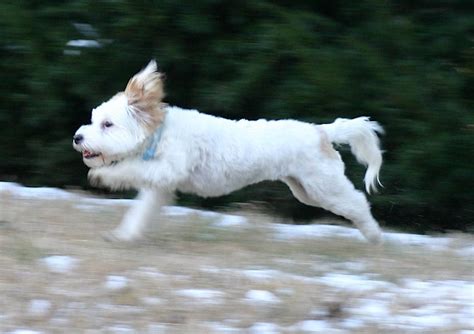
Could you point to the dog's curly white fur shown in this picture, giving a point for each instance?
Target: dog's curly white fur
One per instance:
(212, 156)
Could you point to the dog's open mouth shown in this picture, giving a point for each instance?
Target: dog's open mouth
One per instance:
(90, 155)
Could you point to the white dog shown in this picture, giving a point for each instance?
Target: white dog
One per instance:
(136, 141)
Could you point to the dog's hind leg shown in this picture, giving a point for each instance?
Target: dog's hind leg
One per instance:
(337, 194)
(137, 217)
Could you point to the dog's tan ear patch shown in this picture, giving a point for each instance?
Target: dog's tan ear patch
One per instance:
(145, 93)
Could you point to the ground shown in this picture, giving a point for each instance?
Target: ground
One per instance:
(207, 272)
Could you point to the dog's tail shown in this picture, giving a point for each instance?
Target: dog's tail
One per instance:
(361, 134)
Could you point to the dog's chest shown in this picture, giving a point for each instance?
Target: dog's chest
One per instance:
(212, 183)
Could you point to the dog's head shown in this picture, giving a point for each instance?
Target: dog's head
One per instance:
(121, 125)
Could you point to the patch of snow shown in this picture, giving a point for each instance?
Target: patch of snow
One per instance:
(422, 291)
(428, 310)
(264, 328)
(60, 264)
(434, 243)
(106, 201)
(315, 231)
(371, 309)
(177, 211)
(422, 322)
(218, 327)
(354, 283)
(39, 307)
(319, 313)
(261, 297)
(114, 282)
(120, 329)
(466, 251)
(288, 232)
(353, 323)
(183, 211)
(231, 221)
(35, 192)
(469, 309)
(206, 214)
(205, 296)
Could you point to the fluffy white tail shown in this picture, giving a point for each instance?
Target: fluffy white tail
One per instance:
(361, 134)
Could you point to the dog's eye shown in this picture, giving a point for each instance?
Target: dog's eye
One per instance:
(107, 124)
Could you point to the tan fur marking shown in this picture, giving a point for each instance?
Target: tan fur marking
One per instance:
(145, 94)
(326, 145)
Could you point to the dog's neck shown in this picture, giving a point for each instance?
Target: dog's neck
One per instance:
(147, 149)
(152, 143)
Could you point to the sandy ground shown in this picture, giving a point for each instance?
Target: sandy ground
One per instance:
(202, 272)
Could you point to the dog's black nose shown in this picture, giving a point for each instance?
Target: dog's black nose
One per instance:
(78, 139)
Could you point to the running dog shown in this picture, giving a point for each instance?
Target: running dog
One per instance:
(135, 141)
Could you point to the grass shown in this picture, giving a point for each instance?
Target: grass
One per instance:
(181, 253)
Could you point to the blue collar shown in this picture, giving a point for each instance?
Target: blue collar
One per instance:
(150, 150)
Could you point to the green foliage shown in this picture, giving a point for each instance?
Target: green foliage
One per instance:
(409, 65)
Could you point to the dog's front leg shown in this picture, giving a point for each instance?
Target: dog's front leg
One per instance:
(134, 222)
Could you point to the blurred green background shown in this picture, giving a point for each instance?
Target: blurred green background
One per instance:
(407, 64)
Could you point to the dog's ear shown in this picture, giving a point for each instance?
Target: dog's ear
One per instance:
(145, 93)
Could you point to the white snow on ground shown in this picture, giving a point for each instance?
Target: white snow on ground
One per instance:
(466, 251)
(290, 232)
(35, 192)
(120, 329)
(282, 231)
(177, 211)
(406, 305)
(429, 242)
(352, 283)
(259, 297)
(115, 282)
(218, 327)
(60, 264)
(264, 328)
(39, 307)
(231, 221)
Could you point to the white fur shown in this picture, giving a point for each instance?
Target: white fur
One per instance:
(213, 156)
